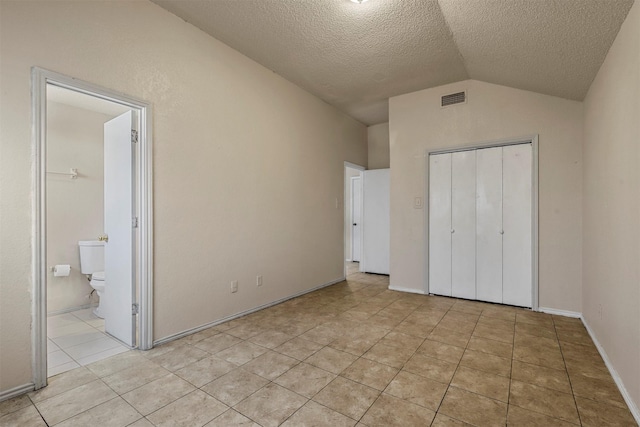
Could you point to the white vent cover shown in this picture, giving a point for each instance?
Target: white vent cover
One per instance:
(454, 98)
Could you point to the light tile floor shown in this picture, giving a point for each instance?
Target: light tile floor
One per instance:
(77, 339)
(351, 354)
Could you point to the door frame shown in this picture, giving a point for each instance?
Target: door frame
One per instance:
(40, 78)
(533, 140)
(351, 207)
(345, 204)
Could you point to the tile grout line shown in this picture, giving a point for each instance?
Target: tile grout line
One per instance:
(174, 401)
(82, 412)
(73, 359)
(566, 370)
(547, 388)
(340, 374)
(399, 370)
(38, 410)
(457, 365)
(513, 348)
(380, 392)
(256, 391)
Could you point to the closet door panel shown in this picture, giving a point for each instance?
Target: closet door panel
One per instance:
(440, 224)
(463, 224)
(489, 225)
(517, 217)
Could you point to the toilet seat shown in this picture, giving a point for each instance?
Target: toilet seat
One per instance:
(97, 281)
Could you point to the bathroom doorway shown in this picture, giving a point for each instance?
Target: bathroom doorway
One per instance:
(93, 191)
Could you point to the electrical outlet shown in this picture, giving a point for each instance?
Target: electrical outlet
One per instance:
(258, 280)
(234, 286)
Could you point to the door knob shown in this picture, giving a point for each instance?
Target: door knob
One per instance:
(103, 238)
(355, 223)
(453, 231)
(501, 231)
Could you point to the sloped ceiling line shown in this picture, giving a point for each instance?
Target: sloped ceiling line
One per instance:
(453, 37)
(356, 56)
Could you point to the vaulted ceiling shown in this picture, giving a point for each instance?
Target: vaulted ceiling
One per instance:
(356, 56)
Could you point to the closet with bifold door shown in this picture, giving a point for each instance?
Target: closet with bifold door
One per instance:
(480, 224)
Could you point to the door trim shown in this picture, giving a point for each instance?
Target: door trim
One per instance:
(144, 206)
(533, 140)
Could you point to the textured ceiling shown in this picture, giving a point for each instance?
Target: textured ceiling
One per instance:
(356, 56)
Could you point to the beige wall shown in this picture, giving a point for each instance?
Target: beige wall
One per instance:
(247, 166)
(378, 146)
(418, 124)
(74, 206)
(611, 263)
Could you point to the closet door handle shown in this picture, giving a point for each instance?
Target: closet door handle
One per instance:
(501, 231)
(453, 231)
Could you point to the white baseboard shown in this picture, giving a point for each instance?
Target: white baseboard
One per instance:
(69, 310)
(16, 391)
(614, 374)
(409, 290)
(557, 312)
(625, 394)
(243, 313)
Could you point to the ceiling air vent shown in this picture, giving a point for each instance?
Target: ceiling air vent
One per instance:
(454, 98)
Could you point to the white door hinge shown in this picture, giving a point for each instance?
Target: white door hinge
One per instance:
(135, 308)
(134, 222)
(134, 136)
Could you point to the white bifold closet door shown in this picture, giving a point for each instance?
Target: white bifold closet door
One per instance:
(463, 224)
(440, 224)
(517, 225)
(489, 225)
(480, 224)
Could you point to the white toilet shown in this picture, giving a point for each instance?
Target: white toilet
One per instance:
(92, 263)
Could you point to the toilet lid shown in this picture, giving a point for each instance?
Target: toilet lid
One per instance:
(98, 275)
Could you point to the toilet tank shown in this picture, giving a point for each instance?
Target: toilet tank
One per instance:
(91, 256)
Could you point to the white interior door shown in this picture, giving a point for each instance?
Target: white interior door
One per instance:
(517, 217)
(356, 222)
(376, 221)
(440, 224)
(463, 224)
(489, 225)
(119, 210)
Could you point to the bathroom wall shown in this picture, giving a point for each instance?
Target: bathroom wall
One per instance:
(74, 206)
(418, 124)
(215, 113)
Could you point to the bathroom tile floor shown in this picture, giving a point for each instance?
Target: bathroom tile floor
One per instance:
(352, 354)
(76, 339)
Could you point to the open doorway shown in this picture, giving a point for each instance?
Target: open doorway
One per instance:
(77, 214)
(92, 259)
(352, 217)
